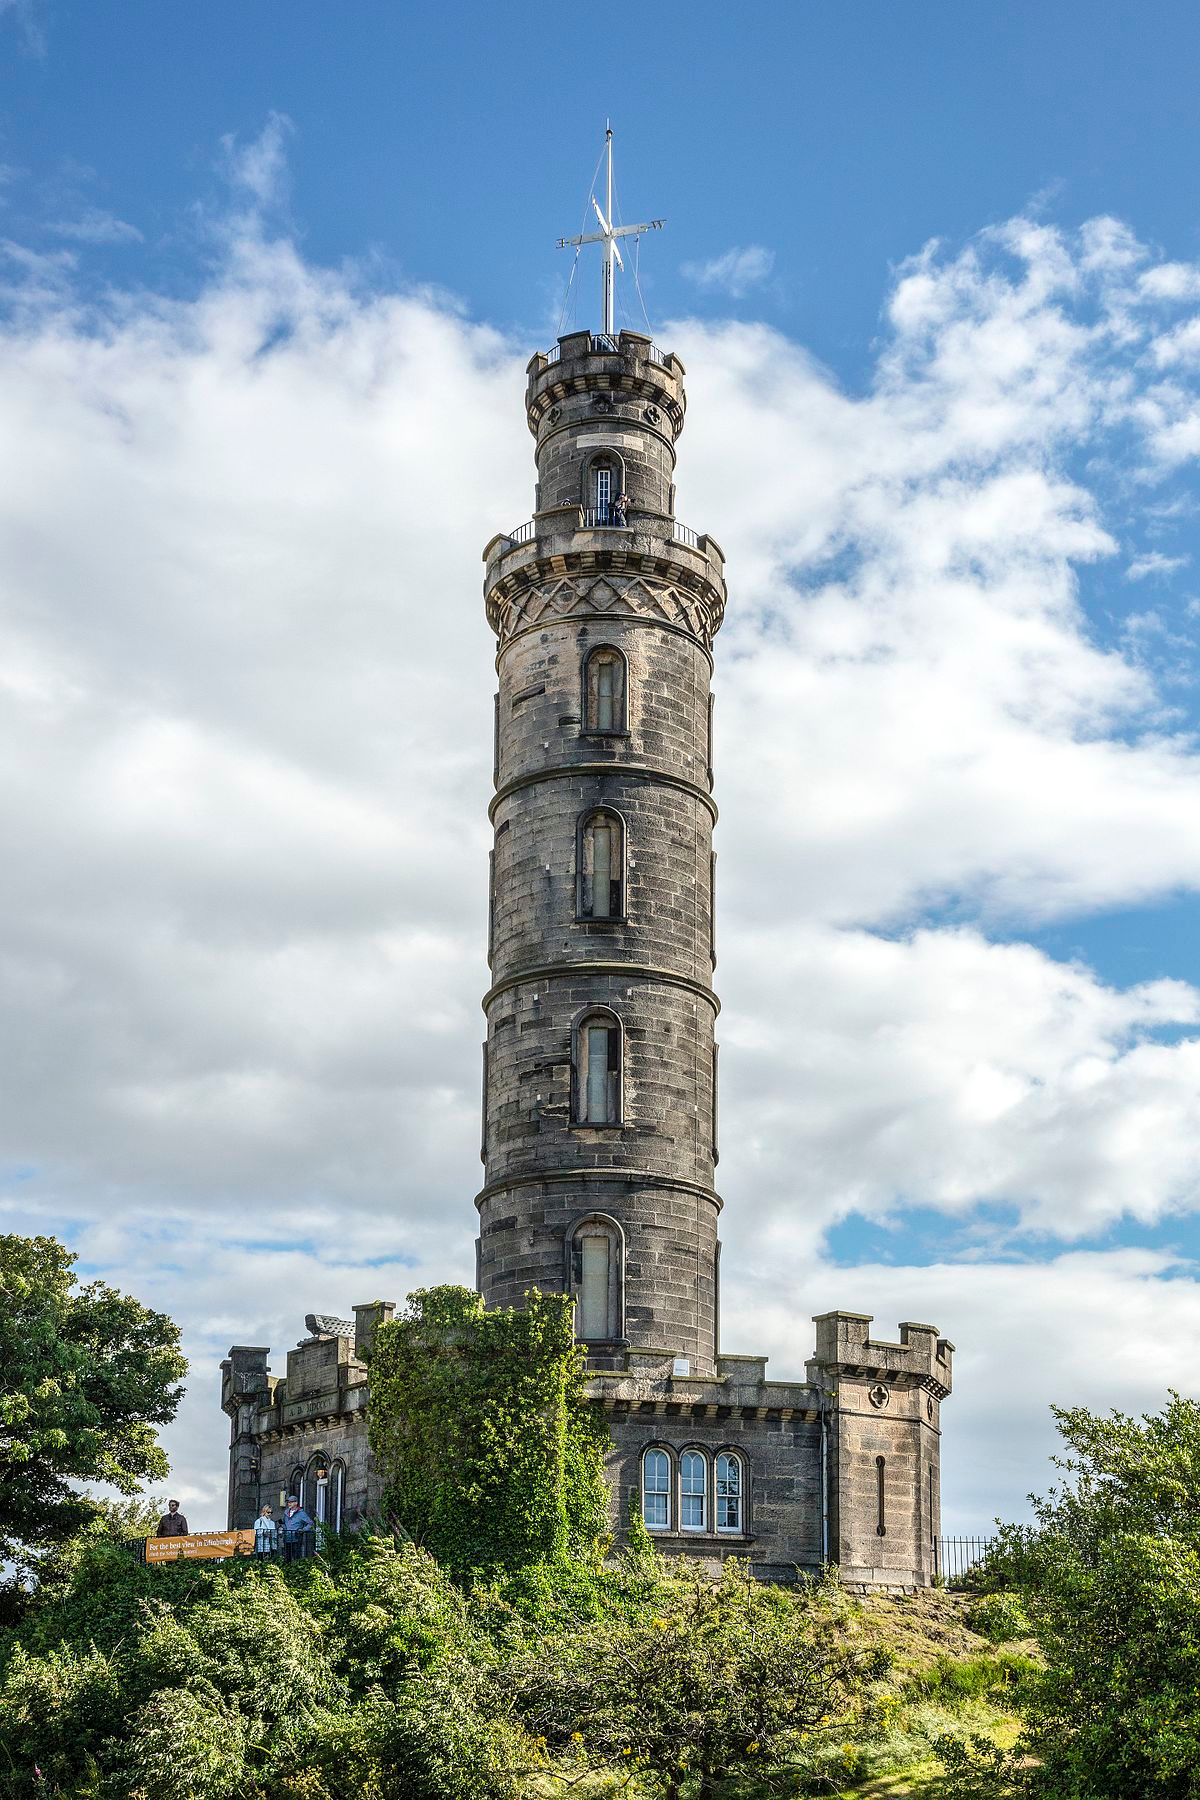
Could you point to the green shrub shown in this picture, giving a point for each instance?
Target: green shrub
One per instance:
(999, 1617)
(490, 1454)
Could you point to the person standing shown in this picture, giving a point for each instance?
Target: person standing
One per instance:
(172, 1523)
(299, 1532)
(266, 1533)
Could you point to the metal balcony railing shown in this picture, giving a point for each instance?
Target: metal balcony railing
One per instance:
(606, 518)
(604, 344)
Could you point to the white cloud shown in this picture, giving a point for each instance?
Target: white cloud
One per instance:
(95, 226)
(734, 272)
(245, 747)
(1154, 563)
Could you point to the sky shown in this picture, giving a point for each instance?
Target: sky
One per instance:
(269, 279)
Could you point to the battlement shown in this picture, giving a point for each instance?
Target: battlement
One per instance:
(921, 1358)
(628, 365)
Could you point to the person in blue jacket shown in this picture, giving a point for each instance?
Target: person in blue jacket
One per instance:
(299, 1532)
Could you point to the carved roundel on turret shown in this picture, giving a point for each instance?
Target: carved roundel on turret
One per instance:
(878, 1395)
(652, 415)
(555, 414)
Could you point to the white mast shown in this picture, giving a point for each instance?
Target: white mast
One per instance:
(607, 235)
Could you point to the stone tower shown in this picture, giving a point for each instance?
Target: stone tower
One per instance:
(600, 1065)
(600, 1062)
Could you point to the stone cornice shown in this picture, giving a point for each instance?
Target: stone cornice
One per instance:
(621, 581)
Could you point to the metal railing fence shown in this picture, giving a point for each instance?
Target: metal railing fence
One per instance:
(955, 1557)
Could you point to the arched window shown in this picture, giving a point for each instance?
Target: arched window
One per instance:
(316, 1488)
(656, 1490)
(597, 1095)
(604, 690)
(729, 1492)
(603, 482)
(600, 866)
(296, 1485)
(693, 1491)
(337, 1496)
(595, 1277)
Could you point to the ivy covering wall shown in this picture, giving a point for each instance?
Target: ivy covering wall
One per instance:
(489, 1453)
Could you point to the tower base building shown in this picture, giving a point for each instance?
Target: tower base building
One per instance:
(600, 1060)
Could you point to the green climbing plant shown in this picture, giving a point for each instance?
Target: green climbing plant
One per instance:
(490, 1454)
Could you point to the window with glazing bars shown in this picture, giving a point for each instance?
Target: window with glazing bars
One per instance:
(656, 1490)
(693, 1491)
(729, 1492)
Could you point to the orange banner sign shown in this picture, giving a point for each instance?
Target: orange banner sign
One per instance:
(203, 1544)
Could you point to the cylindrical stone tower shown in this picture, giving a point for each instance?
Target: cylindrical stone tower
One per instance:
(600, 1061)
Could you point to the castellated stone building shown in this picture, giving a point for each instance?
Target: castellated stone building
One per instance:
(600, 1061)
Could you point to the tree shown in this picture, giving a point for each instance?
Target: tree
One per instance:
(490, 1454)
(86, 1373)
(701, 1683)
(1110, 1574)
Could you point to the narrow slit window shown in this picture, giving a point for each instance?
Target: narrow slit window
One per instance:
(594, 1286)
(880, 1474)
(656, 1490)
(729, 1492)
(604, 691)
(693, 1491)
(602, 859)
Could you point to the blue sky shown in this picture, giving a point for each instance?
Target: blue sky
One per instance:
(270, 276)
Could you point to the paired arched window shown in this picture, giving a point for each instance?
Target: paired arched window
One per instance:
(600, 865)
(694, 1488)
(596, 1269)
(597, 1069)
(604, 690)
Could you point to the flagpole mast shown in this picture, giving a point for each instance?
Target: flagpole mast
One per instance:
(610, 248)
(607, 235)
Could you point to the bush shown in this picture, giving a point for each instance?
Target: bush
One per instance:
(999, 1617)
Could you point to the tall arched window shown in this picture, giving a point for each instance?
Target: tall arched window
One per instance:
(597, 1095)
(656, 1490)
(603, 481)
(600, 865)
(693, 1491)
(595, 1277)
(337, 1496)
(604, 690)
(729, 1492)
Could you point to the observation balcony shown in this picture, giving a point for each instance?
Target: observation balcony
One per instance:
(568, 539)
(601, 343)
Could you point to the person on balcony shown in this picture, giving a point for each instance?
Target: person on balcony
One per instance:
(172, 1523)
(620, 509)
(299, 1532)
(266, 1533)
